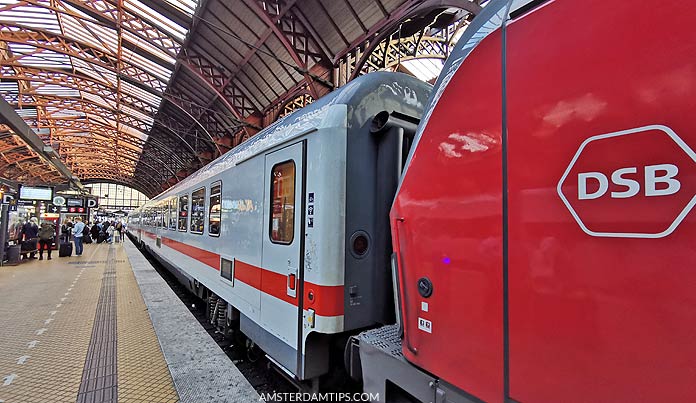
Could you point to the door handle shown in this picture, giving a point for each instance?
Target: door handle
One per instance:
(291, 288)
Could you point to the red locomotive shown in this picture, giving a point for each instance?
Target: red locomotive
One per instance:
(542, 230)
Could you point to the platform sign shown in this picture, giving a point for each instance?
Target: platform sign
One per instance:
(75, 202)
(92, 202)
(8, 198)
(59, 201)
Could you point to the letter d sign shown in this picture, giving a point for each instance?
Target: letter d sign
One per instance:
(92, 203)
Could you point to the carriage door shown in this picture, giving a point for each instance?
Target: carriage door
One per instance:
(282, 240)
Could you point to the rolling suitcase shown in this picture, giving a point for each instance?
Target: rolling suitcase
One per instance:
(101, 237)
(65, 249)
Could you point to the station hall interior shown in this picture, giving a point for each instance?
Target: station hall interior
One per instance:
(403, 201)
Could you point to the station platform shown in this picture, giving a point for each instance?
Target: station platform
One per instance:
(105, 327)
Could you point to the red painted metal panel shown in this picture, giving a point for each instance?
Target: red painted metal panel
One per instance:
(451, 205)
(327, 300)
(601, 319)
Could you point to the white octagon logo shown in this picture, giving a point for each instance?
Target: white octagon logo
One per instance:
(637, 180)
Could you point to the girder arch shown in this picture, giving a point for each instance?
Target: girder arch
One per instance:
(58, 43)
(172, 91)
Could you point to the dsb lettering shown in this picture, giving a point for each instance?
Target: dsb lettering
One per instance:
(662, 174)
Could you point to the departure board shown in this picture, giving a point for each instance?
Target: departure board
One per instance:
(35, 193)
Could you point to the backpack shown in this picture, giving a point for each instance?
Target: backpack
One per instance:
(46, 232)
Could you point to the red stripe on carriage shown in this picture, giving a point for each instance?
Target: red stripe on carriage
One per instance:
(326, 300)
(209, 258)
(248, 274)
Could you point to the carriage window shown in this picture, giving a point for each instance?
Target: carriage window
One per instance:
(167, 213)
(283, 203)
(172, 213)
(197, 211)
(183, 212)
(215, 212)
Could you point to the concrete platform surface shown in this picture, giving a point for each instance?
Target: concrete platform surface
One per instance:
(78, 329)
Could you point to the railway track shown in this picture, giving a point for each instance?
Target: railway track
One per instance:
(253, 364)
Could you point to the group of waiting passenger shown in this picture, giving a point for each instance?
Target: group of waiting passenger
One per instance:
(33, 237)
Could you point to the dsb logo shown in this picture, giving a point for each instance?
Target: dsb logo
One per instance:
(636, 183)
(660, 180)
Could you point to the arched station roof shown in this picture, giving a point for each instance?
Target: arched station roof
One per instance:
(143, 93)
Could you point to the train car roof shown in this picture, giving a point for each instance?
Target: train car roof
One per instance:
(397, 87)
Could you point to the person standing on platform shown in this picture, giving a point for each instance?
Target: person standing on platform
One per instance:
(46, 236)
(77, 235)
(30, 233)
(95, 232)
(110, 234)
(85, 234)
(66, 230)
(119, 232)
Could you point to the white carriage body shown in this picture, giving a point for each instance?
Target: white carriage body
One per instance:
(289, 292)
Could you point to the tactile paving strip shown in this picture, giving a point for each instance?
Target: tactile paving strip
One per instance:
(99, 376)
(143, 375)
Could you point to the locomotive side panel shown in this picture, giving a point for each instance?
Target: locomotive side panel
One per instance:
(597, 317)
(447, 229)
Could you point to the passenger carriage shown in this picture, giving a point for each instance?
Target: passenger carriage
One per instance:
(291, 227)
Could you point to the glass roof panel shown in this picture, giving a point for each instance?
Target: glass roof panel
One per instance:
(134, 91)
(148, 47)
(137, 114)
(29, 16)
(9, 87)
(127, 62)
(53, 89)
(134, 132)
(27, 112)
(186, 6)
(160, 21)
(62, 112)
(32, 56)
(99, 100)
(92, 34)
(160, 71)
